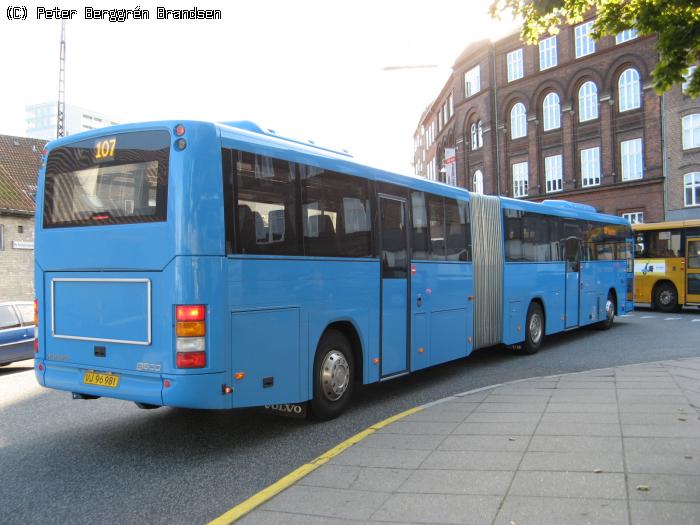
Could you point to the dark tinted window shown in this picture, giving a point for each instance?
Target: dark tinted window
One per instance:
(436, 220)
(394, 252)
(664, 243)
(420, 226)
(513, 233)
(457, 229)
(265, 208)
(536, 238)
(116, 179)
(335, 214)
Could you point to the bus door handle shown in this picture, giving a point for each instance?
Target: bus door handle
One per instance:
(419, 301)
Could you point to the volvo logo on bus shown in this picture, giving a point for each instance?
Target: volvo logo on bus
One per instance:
(296, 410)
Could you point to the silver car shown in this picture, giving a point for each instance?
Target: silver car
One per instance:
(16, 331)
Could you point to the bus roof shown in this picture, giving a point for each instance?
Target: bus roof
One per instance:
(667, 225)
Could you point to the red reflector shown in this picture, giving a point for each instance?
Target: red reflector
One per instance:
(166, 383)
(101, 217)
(179, 130)
(36, 345)
(192, 312)
(40, 367)
(191, 359)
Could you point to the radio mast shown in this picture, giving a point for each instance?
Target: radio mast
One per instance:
(61, 111)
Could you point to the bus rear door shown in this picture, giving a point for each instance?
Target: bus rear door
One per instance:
(572, 257)
(692, 253)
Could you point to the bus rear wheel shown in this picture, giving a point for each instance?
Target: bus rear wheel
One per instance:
(666, 297)
(610, 308)
(333, 376)
(534, 329)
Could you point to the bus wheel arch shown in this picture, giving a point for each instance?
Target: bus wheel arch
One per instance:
(664, 296)
(535, 323)
(351, 334)
(611, 306)
(334, 371)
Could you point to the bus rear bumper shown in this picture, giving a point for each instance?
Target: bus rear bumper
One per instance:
(184, 391)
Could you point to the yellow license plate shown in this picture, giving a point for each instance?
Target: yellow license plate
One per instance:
(106, 380)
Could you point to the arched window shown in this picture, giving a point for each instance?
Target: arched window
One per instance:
(478, 182)
(479, 134)
(551, 112)
(628, 89)
(587, 102)
(518, 121)
(474, 138)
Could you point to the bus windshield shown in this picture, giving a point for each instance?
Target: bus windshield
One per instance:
(110, 180)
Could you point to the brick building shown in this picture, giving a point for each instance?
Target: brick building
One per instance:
(20, 159)
(569, 118)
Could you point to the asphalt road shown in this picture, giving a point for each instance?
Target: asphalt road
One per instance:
(106, 461)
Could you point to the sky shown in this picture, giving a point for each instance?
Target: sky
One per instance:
(311, 69)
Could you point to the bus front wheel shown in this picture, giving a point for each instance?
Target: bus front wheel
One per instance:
(333, 376)
(534, 329)
(610, 307)
(666, 297)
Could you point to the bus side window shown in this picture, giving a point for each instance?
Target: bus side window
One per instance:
(513, 232)
(420, 225)
(436, 216)
(456, 231)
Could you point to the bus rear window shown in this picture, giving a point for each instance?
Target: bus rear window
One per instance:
(116, 179)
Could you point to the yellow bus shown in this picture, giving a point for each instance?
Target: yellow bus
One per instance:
(667, 264)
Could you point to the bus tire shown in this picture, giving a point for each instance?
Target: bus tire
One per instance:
(534, 329)
(610, 309)
(333, 376)
(666, 297)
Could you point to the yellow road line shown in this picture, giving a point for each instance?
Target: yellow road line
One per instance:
(287, 481)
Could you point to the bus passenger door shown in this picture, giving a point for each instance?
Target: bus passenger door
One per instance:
(692, 253)
(572, 258)
(394, 282)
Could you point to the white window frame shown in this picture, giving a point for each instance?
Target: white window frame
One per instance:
(520, 179)
(518, 121)
(478, 182)
(590, 167)
(691, 181)
(585, 45)
(688, 77)
(514, 62)
(473, 137)
(634, 217)
(628, 90)
(450, 106)
(632, 159)
(588, 101)
(553, 173)
(548, 52)
(551, 112)
(690, 125)
(479, 134)
(625, 36)
(472, 81)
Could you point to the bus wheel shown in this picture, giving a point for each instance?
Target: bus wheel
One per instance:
(534, 329)
(666, 297)
(609, 314)
(333, 376)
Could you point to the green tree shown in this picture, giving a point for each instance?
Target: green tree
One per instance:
(676, 23)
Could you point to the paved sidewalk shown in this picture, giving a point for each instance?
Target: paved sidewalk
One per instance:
(619, 445)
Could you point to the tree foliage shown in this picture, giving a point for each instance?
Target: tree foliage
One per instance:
(676, 23)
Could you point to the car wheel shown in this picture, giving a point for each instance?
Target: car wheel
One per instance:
(666, 297)
(334, 375)
(534, 329)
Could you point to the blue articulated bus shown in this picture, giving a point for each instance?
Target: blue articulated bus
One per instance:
(219, 265)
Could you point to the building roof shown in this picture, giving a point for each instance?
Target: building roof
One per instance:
(20, 160)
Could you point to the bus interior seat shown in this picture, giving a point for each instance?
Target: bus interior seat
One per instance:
(246, 226)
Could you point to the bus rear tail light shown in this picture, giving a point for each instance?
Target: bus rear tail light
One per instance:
(190, 332)
(36, 326)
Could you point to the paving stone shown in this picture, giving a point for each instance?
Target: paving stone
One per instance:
(472, 460)
(321, 501)
(557, 511)
(266, 517)
(580, 417)
(582, 407)
(662, 455)
(401, 441)
(511, 429)
(503, 417)
(332, 476)
(476, 397)
(573, 461)
(438, 508)
(568, 484)
(380, 479)
(653, 408)
(418, 427)
(671, 418)
(664, 487)
(516, 398)
(375, 457)
(568, 428)
(689, 429)
(512, 407)
(485, 443)
(476, 482)
(664, 513)
(576, 444)
(442, 413)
